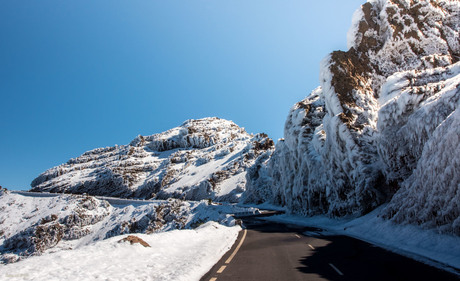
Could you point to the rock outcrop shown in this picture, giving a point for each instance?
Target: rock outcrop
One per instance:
(133, 239)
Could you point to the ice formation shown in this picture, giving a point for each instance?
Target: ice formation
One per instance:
(383, 125)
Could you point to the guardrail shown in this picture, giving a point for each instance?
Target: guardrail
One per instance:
(111, 200)
(35, 194)
(238, 212)
(257, 213)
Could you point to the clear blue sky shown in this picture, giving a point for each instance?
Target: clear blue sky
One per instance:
(77, 75)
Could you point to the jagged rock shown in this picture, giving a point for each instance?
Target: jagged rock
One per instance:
(134, 239)
(204, 158)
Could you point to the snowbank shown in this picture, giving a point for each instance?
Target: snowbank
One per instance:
(174, 255)
(31, 225)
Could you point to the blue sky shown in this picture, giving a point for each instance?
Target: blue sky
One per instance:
(77, 75)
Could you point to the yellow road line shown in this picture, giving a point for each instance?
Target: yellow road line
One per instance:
(213, 279)
(237, 248)
(222, 268)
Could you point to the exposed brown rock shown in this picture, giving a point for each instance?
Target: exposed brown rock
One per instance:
(351, 72)
(134, 239)
(368, 22)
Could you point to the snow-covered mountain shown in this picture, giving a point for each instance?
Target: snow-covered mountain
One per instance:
(383, 125)
(200, 159)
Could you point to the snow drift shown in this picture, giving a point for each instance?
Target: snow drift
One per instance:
(33, 224)
(383, 125)
(200, 159)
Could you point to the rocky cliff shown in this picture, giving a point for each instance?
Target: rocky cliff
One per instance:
(383, 125)
(200, 159)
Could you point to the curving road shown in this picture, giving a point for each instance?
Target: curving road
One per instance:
(271, 251)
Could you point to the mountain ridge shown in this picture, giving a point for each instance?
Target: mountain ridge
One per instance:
(201, 159)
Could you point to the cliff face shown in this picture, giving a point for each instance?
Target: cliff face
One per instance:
(385, 113)
(200, 159)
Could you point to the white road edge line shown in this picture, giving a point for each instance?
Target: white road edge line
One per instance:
(336, 269)
(237, 248)
(297, 236)
(311, 246)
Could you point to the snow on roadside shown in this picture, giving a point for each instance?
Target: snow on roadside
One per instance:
(173, 255)
(32, 224)
(425, 245)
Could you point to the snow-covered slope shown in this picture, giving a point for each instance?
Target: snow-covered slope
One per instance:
(174, 255)
(200, 159)
(383, 121)
(33, 224)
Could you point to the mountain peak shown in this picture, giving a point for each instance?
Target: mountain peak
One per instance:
(204, 158)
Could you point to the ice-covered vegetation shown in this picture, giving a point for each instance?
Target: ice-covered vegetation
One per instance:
(200, 159)
(383, 125)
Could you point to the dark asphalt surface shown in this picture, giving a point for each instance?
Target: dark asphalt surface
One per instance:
(273, 251)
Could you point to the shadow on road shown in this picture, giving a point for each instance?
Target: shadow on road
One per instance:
(355, 259)
(277, 251)
(358, 260)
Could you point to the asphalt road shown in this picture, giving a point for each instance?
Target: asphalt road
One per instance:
(272, 251)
